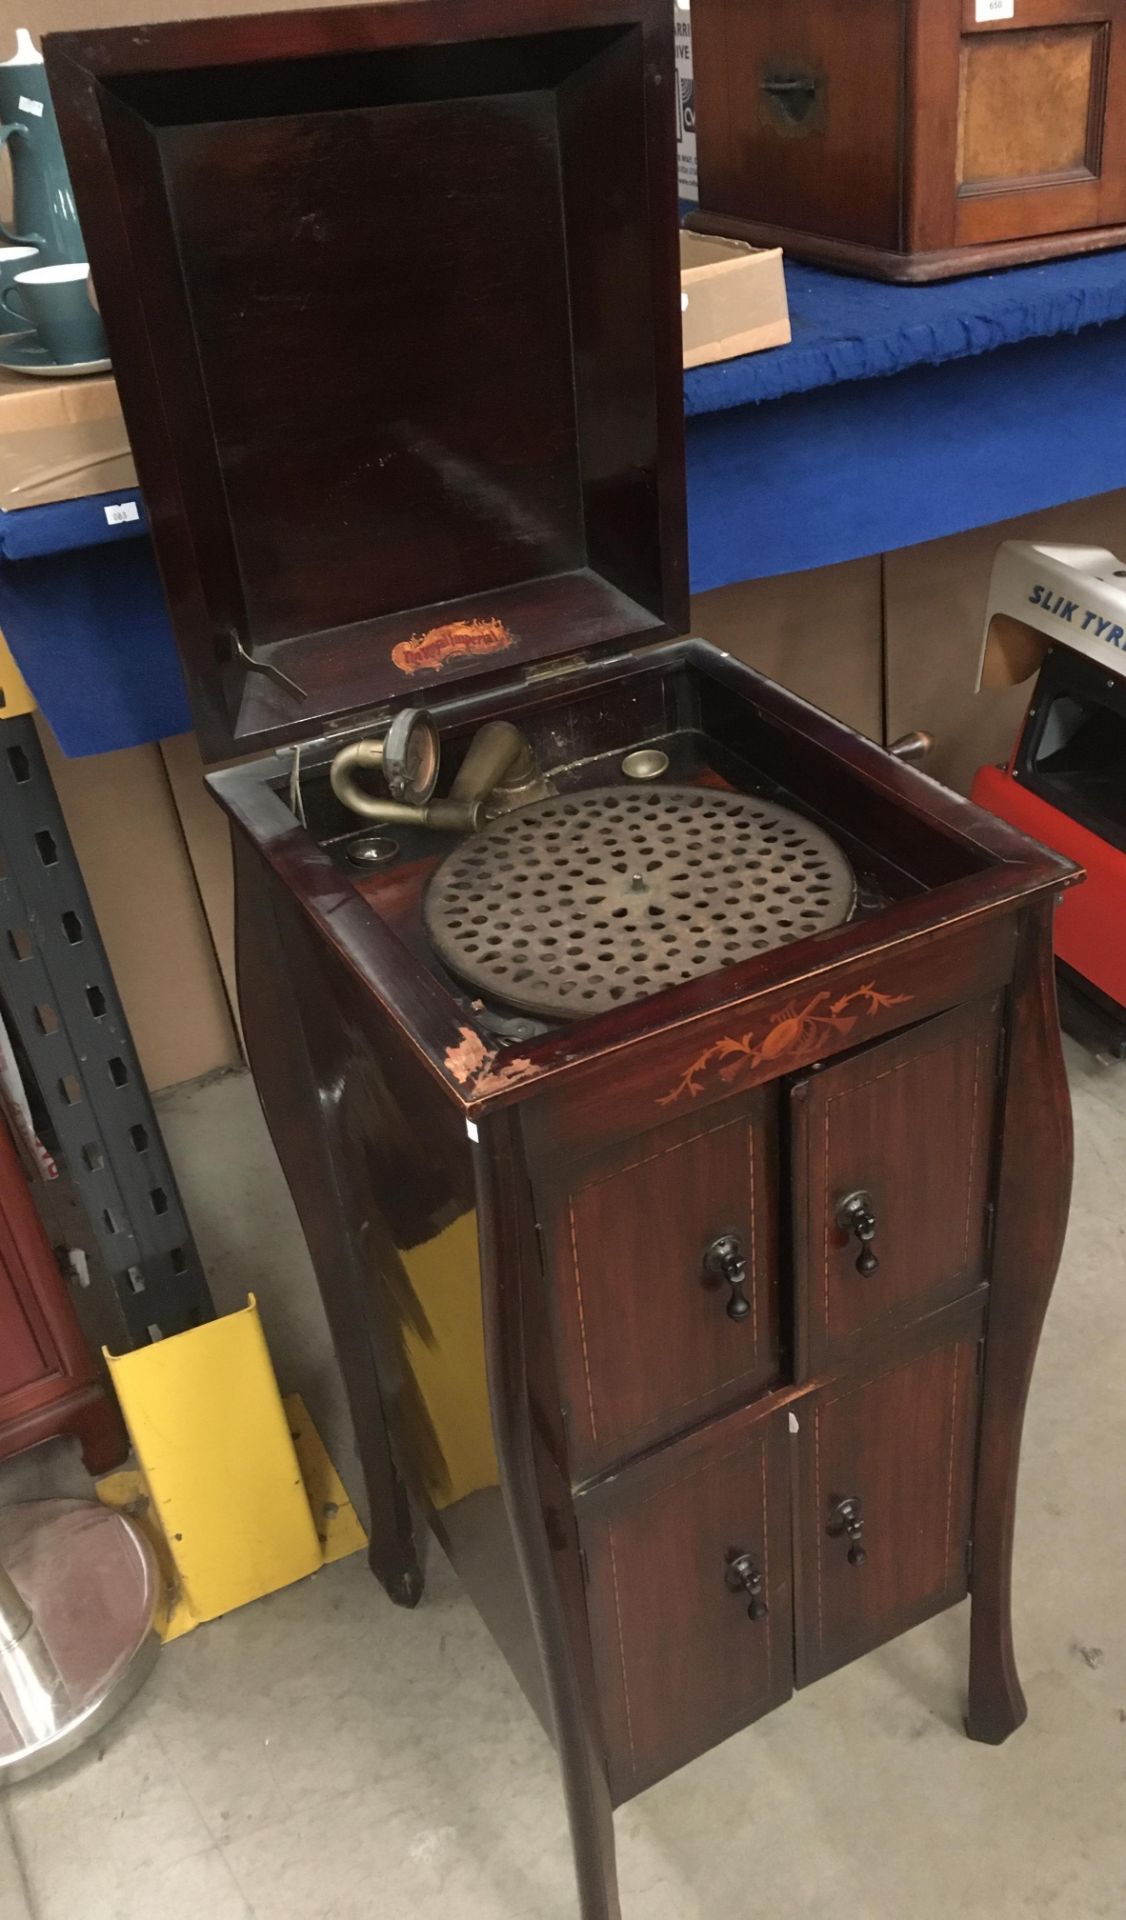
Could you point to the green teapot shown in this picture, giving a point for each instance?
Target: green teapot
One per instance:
(44, 212)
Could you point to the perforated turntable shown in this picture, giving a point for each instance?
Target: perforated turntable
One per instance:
(588, 901)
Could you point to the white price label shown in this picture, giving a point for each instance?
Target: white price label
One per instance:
(34, 107)
(994, 9)
(124, 510)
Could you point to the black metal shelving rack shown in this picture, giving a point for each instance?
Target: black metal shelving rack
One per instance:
(60, 997)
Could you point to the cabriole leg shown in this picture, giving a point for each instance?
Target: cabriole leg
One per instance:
(1033, 1192)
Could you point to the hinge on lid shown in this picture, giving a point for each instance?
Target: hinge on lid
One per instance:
(969, 1559)
(990, 1224)
(349, 723)
(583, 1564)
(556, 667)
(980, 1365)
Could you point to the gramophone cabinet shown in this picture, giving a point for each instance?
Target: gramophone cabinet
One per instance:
(683, 1151)
(913, 139)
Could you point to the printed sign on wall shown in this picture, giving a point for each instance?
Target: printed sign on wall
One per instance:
(685, 104)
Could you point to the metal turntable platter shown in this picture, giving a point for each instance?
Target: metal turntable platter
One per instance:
(589, 901)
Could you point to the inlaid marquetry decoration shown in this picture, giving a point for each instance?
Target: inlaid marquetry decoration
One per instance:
(796, 1033)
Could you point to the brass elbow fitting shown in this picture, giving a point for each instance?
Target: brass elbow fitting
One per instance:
(452, 816)
(499, 764)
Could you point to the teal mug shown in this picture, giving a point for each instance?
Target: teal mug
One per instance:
(56, 302)
(14, 260)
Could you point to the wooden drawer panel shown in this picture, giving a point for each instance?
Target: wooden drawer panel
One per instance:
(648, 1345)
(807, 153)
(909, 1123)
(28, 1354)
(681, 1663)
(899, 1443)
(1038, 151)
(22, 1359)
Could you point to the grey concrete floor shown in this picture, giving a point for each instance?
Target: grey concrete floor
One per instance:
(324, 1756)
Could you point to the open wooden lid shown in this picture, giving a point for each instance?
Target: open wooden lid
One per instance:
(392, 298)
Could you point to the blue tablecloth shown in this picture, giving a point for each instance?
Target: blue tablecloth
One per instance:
(846, 329)
(898, 415)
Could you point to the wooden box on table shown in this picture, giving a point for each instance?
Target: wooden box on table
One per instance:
(702, 1318)
(912, 139)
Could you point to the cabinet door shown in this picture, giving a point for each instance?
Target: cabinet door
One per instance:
(675, 1567)
(885, 1486)
(903, 1129)
(29, 1356)
(25, 1358)
(653, 1334)
(1040, 142)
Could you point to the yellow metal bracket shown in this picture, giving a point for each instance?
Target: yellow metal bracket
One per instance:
(232, 1485)
(16, 696)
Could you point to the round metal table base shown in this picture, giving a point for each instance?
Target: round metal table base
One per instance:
(79, 1591)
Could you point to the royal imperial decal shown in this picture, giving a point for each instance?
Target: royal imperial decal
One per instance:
(459, 640)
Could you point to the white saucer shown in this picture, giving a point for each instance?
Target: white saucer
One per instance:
(24, 353)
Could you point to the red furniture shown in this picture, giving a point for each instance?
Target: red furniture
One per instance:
(48, 1382)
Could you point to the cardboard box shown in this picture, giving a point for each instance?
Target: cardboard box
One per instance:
(732, 298)
(60, 440)
(207, 839)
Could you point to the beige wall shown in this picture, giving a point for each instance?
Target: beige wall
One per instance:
(151, 912)
(893, 644)
(819, 633)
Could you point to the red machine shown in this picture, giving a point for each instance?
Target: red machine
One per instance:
(1062, 610)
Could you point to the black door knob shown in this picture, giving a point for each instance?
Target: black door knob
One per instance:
(856, 1214)
(743, 1576)
(725, 1261)
(846, 1520)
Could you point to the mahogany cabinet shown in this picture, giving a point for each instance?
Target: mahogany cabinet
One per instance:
(913, 139)
(696, 1326)
(48, 1382)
